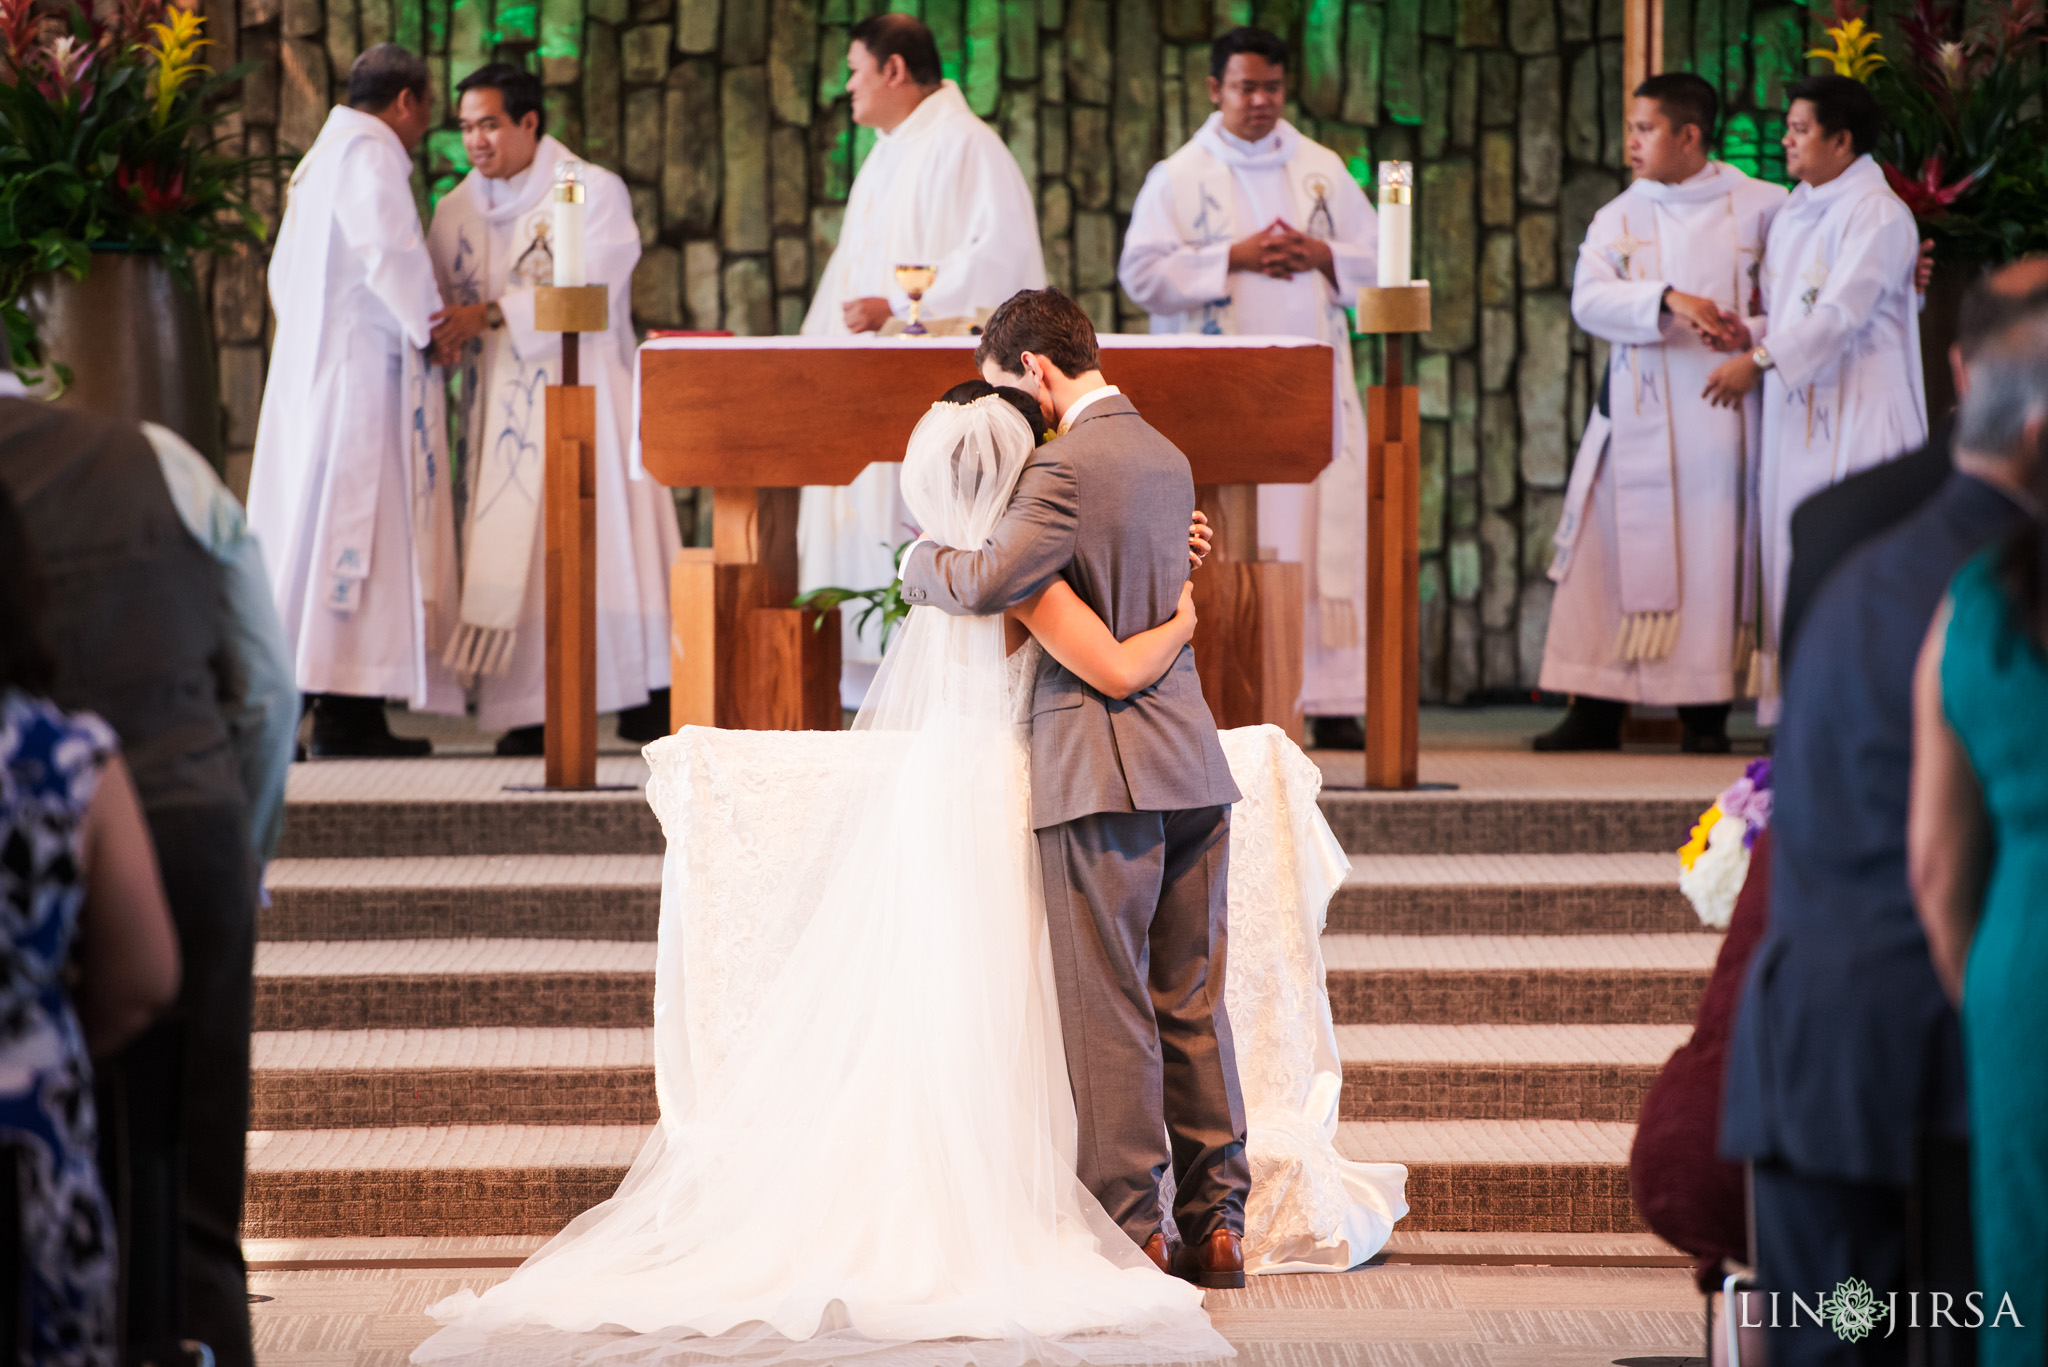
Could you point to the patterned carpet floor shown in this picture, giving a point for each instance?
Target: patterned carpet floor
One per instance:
(1400, 1313)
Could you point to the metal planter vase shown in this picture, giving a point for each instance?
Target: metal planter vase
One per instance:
(138, 343)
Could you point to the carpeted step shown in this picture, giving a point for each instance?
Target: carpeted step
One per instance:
(543, 896)
(444, 984)
(1503, 804)
(1501, 1072)
(338, 1079)
(394, 808)
(1373, 979)
(1524, 1175)
(1517, 979)
(1512, 894)
(1536, 1176)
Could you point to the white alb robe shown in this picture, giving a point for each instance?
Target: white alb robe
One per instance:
(1652, 551)
(1176, 264)
(939, 189)
(1845, 391)
(490, 241)
(347, 495)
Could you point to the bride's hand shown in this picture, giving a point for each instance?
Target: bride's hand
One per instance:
(1198, 540)
(1184, 615)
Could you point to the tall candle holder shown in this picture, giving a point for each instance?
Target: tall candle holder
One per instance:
(1393, 499)
(569, 511)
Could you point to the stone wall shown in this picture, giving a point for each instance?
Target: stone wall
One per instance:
(727, 119)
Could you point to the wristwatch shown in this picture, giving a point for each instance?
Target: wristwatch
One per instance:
(494, 317)
(1762, 359)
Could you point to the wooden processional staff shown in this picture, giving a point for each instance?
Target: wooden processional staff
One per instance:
(1393, 489)
(571, 307)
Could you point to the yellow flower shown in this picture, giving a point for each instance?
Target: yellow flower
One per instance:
(1697, 846)
(1852, 54)
(177, 57)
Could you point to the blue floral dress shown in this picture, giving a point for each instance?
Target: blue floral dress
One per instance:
(50, 764)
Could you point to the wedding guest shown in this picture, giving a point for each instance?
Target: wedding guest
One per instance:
(1254, 227)
(490, 245)
(1648, 607)
(362, 565)
(940, 188)
(140, 637)
(1845, 1084)
(79, 892)
(1980, 840)
(1837, 350)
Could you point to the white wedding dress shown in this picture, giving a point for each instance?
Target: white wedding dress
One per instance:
(866, 1145)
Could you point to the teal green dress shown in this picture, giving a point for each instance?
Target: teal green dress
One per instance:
(1994, 683)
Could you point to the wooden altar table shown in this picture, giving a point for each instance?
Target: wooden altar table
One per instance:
(756, 418)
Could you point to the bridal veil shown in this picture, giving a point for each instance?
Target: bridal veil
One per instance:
(866, 1136)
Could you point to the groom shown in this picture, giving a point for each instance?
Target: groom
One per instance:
(1130, 799)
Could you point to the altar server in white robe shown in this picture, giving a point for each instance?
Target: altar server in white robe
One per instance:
(346, 497)
(491, 247)
(1253, 228)
(1649, 558)
(938, 189)
(1837, 352)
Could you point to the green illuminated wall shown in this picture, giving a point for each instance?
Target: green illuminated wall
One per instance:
(726, 118)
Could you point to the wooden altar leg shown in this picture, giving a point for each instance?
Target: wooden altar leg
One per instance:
(571, 569)
(742, 656)
(1248, 643)
(1393, 628)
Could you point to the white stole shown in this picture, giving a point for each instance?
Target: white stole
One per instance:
(1638, 432)
(1203, 195)
(503, 419)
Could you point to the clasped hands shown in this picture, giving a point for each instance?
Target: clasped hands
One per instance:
(1723, 331)
(454, 327)
(1281, 252)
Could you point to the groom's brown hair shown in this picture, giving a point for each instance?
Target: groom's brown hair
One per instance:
(1044, 321)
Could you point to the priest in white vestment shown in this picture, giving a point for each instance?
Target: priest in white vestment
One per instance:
(1837, 351)
(1649, 560)
(491, 247)
(346, 495)
(1253, 228)
(938, 189)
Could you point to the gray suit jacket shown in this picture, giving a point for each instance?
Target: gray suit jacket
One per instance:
(1106, 508)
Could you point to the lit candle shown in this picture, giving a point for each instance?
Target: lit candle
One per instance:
(568, 223)
(1397, 193)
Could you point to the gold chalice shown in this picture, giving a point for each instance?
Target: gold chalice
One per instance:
(915, 281)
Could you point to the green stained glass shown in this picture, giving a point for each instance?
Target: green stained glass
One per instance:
(1740, 145)
(442, 185)
(516, 22)
(445, 152)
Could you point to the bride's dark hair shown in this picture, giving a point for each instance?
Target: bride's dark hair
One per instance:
(968, 391)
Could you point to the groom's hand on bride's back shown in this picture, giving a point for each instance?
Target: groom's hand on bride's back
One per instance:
(1198, 540)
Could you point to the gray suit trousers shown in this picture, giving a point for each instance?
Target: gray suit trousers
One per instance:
(1135, 902)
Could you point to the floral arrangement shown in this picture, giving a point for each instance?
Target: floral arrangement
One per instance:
(1966, 142)
(107, 139)
(1715, 862)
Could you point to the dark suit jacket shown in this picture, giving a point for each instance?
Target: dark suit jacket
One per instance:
(1105, 507)
(1841, 517)
(1846, 1052)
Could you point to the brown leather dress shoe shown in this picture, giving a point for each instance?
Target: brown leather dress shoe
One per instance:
(1216, 1263)
(1155, 1249)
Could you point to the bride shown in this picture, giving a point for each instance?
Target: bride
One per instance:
(866, 1147)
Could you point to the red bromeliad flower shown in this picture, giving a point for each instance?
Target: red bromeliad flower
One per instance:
(2015, 25)
(155, 199)
(1926, 27)
(1927, 197)
(18, 30)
